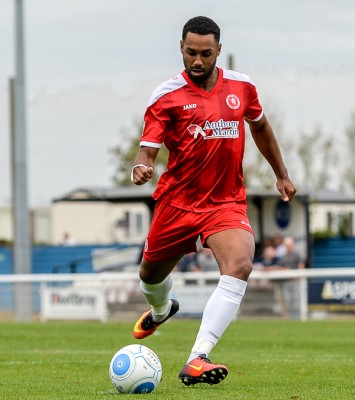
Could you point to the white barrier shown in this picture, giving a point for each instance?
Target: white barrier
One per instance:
(83, 303)
(121, 284)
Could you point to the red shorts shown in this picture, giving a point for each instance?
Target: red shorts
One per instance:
(174, 231)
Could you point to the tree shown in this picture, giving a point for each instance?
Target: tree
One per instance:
(349, 173)
(257, 171)
(310, 157)
(317, 155)
(125, 152)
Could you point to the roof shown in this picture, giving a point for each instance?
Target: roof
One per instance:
(107, 193)
(138, 193)
(332, 196)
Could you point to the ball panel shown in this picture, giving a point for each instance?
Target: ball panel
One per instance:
(121, 364)
(144, 387)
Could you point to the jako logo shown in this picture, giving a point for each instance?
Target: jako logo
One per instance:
(189, 106)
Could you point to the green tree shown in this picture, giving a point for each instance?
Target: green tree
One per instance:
(124, 154)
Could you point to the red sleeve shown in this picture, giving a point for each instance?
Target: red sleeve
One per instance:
(254, 110)
(156, 122)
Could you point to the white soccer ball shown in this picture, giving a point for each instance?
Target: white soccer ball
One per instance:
(135, 369)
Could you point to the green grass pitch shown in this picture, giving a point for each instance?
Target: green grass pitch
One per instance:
(267, 360)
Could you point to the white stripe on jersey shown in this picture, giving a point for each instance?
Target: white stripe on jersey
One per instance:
(166, 87)
(179, 81)
(237, 76)
(257, 118)
(151, 144)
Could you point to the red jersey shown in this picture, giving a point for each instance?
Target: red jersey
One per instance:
(204, 133)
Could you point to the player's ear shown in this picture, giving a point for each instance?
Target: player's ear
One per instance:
(181, 46)
(219, 49)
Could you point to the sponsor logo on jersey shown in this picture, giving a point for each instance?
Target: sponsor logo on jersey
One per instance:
(233, 101)
(196, 130)
(215, 130)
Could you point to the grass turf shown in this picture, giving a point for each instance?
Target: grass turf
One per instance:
(266, 359)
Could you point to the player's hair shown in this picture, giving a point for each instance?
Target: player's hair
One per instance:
(201, 26)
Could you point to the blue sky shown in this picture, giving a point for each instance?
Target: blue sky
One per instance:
(91, 65)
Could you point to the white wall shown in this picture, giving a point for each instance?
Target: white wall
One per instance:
(319, 214)
(95, 222)
(41, 225)
(6, 224)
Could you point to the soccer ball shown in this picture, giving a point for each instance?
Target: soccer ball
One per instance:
(135, 369)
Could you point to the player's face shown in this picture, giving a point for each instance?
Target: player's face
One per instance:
(200, 54)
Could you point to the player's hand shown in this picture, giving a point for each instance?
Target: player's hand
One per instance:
(286, 188)
(141, 174)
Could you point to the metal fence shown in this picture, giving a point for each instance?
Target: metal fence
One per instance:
(298, 294)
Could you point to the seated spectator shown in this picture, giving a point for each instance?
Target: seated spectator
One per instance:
(205, 260)
(187, 263)
(268, 258)
(280, 249)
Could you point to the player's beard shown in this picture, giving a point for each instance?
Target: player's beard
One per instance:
(201, 78)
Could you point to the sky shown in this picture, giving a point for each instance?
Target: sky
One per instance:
(92, 64)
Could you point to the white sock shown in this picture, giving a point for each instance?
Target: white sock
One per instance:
(219, 312)
(158, 296)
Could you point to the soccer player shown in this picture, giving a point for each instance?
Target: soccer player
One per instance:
(199, 116)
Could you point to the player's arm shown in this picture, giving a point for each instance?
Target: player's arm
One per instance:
(143, 167)
(267, 144)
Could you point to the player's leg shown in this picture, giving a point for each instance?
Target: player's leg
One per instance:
(155, 285)
(168, 240)
(234, 252)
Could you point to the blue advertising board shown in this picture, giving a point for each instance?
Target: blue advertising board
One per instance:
(333, 295)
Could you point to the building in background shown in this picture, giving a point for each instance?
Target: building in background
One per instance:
(40, 225)
(104, 216)
(332, 213)
(101, 216)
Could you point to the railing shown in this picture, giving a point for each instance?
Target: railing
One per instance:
(121, 289)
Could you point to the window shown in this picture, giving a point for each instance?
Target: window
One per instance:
(341, 223)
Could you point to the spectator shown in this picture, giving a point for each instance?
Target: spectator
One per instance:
(67, 240)
(269, 258)
(291, 259)
(187, 263)
(280, 249)
(205, 260)
(290, 288)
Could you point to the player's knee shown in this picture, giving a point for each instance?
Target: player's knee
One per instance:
(240, 270)
(245, 270)
(146, 276)
(150, 275)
